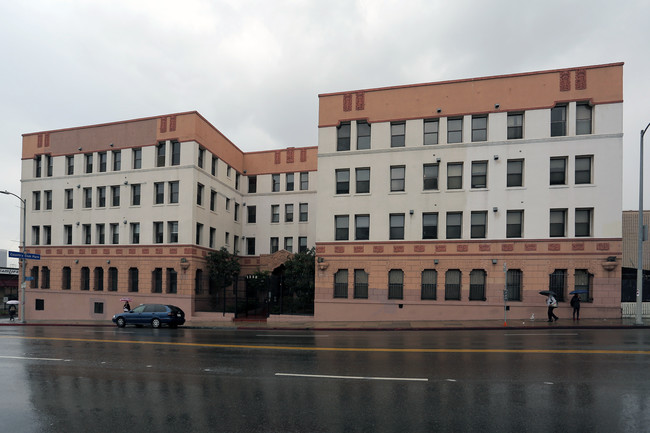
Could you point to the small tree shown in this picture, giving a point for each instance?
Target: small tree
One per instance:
(223, 267)
(299, 277)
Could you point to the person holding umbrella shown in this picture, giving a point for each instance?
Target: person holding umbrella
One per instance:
(552, 305)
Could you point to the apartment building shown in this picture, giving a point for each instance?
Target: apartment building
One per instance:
(464, 199)
(133, 208)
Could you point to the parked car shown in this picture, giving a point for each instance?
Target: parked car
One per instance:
(151, 314)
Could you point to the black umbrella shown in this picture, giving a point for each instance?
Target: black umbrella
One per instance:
(547, 292)
(579, 291)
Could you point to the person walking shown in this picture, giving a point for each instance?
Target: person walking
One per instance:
(552, 304)
(575, 303)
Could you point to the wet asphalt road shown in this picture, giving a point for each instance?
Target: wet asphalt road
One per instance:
(81, 379)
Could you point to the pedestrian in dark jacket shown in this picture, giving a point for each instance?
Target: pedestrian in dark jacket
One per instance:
(575, 303)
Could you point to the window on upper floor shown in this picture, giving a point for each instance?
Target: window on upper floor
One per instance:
(302, 244)
(49, 161)
(343, 136)
(288, 213)
(361, 227)
(397, 134)
(454, 225)
(430, 177)
(343, 181)
(515, 126)
(557, 223)
(213, 200)
(288, 243)
(250, 246)
(117, 160)
(431, 131)
(455, 175)
(174, 187)
(69, 198)
(172, 231)
(135, 194)
(88, 197)
(289, 181)
(115, 195)
(479, 128)
(176, 153)
(252, 214)
(275, 213)
(583, 169)
(341, 227)
(201, 157)
(199, 194)
(36, 200)
(215, 163)
(514, 223)
(100, 230)
(479, 174)
(158, 232)
(304, 181)
(102, 159)
(89, 162)
(362, 180)
(101, 196)
(363, 135)
(252, 184)
(36, 235)
(397, 178)
(275, 244)
(303, 210)
(159, 192)
(115, 233)
(558, 121)
(160, 154)
(69, 163)
(47, 198)
(583, 222)
(558, 170)
(455, 130)
(137, 158)
(37, 166)
(515, 174)
(237, 180)
(135, 233)
(275, 182)
(478, 220)
(430, 225)
(583, 118)
(396, 228)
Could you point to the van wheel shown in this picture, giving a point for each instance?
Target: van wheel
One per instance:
(155, 322)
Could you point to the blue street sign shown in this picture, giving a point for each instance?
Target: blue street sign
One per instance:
(30, 256)
(16, 254)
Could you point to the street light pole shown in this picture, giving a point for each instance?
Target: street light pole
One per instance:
(639, 263)
(24, 261)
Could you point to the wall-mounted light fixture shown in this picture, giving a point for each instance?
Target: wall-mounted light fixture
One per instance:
(438, 159)
(110, 145)
(126, 182)
(124, 222)
(411, 212)
(494, 261)
(496, 157)
(495, 209)
(78, 186)
(496, 106)
(435, 261)
(108, 262)
(320, 260)
(439, 110)
(76, 262)
(77, 222)
(79, 149)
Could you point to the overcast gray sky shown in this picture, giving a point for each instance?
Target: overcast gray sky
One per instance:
(254, 68)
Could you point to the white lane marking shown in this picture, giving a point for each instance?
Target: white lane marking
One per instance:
(551, 334)
(548, 383)
(26, 358)
(326, 376)
(450, 380)
(292, 336)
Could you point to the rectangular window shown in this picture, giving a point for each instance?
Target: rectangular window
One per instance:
(227, 204)
(250, 246)
(514, 223)
(112, 279)
(89, 162)
(117, 160)
(479, 174)
(363, 135)
(101, 233)
(430, 225)
(67, 234)
(478, 224)
(455, 130)
(513, 284)
(36, 199)
(558, 222)
(135, 233)
(361, 227)
(558, 121)
(172, 280)
(430, 131)
(252, 184)
(48, 199)
(66, 278)
(275, 213)
(212, 237)
(396, 229)
(159, 193)
(288, 213)
(69, 163)
(428, 284)
(430, 177)
(199, 194)
(85, 278)
(304, 181)
(199, 234)
(158, 232)
(48, 163)
(583, 118)
(362, 180)
(558, 171)
(515, 172)
(115, 196)
(135, 195)
(101, 196)
(98, 279)
(160, 154)
(47, 235)
(360, 284)
(86, 234)
(37, 166)
(228, 171)
(452, 285)
(341, 283)
(115, 233)
(302, 244)
(103, 158)
(69, 199)
(215, 164)
(477, 285)
(583, 222)
(515, 126)
(173, 191)
(288, 244)
(238, 180)
(289, 181)
(455, 175)
(137, 158)
(303, 212)
(341, 227)
(397, 178)
(176, 153)
(583, 170)
(88, 197)
(133, 279)
(584, 281)
(343, 181)
(343, 136)
(397, 134)
(395, 284)
(557, 283)
(275, 244)
(156, 283)
(454, 225)
(172, 229)
(252, 214)
(275, 182)
(479, 128)
(213, 200)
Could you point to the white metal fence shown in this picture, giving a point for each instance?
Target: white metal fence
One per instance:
(629, 309)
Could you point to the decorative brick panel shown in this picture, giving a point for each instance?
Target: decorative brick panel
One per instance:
(602, 246)
(290, 156)
(82, 251)
(398, 248)
(145, 251)
(173, 250)
(484, 247)
(71, 251)
(462, 248)
(159, 251)
(320, 250)
(93, 251)
(40, 140)
(581, 79)
(119, 251)
(565, 81)
(358, 248)
(247, 261)
(163, 124)
(59, 252)
(278, 157)
(507, 247)
(554, 247)
(441, 248)
(361, 101)
(303, 155)
(378, 249)
(172, 123)
(418, 248)
(339, 249)
(131, 250)
(47, 139)
(578, 246)
(188, 251)
(347, 102)
(106, 251)
(48, 251)
(530, 247)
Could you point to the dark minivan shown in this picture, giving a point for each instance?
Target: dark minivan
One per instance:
(151, 314)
